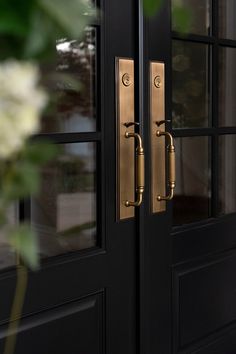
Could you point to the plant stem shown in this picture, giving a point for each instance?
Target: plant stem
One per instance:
(17, 307)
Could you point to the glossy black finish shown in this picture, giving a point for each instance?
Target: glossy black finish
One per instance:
(203, 286)
(157, 226)
(147, 287)
(85, 302)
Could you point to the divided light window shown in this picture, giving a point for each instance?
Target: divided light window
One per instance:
(203, 112)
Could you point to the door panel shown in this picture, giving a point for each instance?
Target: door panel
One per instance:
(204, 296)
(156, 282)
(201, 218)
(83, 298)
(78, 326)
(203, 241)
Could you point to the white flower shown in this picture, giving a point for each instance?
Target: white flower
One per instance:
(21, 104)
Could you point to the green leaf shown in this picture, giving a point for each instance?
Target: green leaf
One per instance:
(151, 6)
(52, 20)
(25, 243)
(14, 16)
(10, 24)
(73, 18)
(38, 153)
(182, 18)
(38, 36)
(21, 181)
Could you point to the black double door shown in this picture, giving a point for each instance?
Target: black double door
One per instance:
(161, 281)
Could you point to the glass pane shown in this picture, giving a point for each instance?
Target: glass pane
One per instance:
(227, 87)
(227, 185)
(192, 195)
(64, 214)
(200, 11)
(73, 107)
(227, 19)
(7, 255)
(191, 84)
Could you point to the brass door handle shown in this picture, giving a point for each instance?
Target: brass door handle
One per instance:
(139, 170)
(171, 158)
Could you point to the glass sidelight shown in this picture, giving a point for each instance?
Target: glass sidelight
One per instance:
(191, 84)
(74, 86)
(227, 174)
(7, 256)
(200, 11)
(227, 88)
(227, 18)
(192, 200)
(64, 213)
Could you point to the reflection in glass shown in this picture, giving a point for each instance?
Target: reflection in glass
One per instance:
(200, 12)
(7, 255)
(64, 213)
(192, 194)
(227, 185)
(191, 84)
(72, 87)
(227, 19)
(227, 87)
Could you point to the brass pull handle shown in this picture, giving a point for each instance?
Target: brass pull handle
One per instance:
(139, 170)
(171, 154)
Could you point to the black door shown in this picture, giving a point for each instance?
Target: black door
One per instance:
(197, 230)
(162, 279)
(83, 299)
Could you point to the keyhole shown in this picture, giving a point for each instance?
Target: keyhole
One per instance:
(126, 79)
(157, 81)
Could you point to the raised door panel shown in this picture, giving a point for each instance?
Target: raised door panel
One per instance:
(74, 328)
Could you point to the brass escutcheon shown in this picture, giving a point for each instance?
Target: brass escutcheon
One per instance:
(157, 81)
(126, 80)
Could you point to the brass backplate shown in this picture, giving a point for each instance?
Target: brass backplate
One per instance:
(125, 147)
(157, 104)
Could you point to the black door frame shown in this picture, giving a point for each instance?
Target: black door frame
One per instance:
(153, 44)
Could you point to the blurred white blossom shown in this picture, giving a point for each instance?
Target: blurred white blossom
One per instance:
(21, 104)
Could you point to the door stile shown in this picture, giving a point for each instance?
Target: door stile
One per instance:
(141, 262)
(157, 226)
(120, 234)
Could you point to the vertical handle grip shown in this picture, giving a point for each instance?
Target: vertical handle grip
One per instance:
(171, 159)
(140, 166)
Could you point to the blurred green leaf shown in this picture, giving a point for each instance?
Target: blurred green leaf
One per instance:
(9, 22)
(38, 38)
(24, 241)
(151, 6)
(30, 28)
(182, 18)
(20, 181)
(71, 18)
(15, 16)
(54, 19)
(38, 153)
(21, 177)
(181, 15)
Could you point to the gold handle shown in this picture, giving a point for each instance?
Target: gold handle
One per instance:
(139, 170)
(171, 154)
